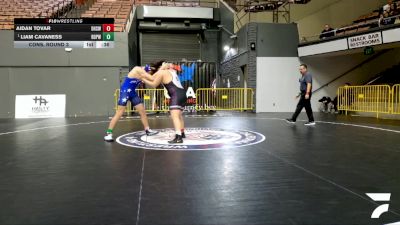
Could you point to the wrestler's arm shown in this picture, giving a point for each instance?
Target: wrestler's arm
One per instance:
(157, 79)
(144, 75)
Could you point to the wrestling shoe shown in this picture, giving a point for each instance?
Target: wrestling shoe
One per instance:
(109, 137)
(176, 140)
(151, 132)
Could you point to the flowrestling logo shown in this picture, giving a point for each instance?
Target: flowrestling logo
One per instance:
(196, 139)
(379, 197)
(383, 208)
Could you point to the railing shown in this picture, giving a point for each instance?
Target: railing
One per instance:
(396, 99)
(224, 99)
(154, 100)
(207, 99)
(180, 3)
(352, 29)
(370, 98)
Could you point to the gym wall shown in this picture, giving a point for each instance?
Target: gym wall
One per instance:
(277, 67)
(88, 77)
(326, 68)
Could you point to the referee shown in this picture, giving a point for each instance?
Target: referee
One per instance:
(305, 97)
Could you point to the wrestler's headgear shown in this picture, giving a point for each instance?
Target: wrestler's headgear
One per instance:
(147, 68)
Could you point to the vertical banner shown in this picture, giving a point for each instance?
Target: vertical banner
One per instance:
(39, 106)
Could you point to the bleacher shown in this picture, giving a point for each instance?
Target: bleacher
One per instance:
(10, 9)
(362, 23)
(117, 9)
(264, 5)
(177, 3)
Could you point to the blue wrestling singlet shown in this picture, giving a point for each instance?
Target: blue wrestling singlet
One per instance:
(128, 92)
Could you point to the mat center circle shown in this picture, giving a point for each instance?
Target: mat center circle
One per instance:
(196, 139)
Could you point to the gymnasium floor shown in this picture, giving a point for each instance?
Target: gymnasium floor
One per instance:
(60, 171)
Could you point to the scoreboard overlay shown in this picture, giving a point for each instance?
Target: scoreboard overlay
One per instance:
(64, 33)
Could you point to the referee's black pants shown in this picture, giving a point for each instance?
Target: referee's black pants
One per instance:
(304, 103)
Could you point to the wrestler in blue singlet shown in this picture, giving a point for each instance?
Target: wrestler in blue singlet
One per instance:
(128, 92)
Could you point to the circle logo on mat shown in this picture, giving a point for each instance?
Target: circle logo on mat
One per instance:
(196, 139)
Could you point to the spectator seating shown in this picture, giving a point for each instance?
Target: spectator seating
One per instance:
(363, 22)
(10, 9)
(117, 9)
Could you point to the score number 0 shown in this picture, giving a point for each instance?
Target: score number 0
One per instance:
(108, 34)
(108, 27)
